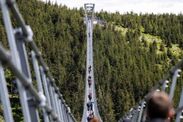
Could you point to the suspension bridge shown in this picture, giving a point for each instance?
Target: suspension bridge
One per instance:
(44, 101)
(90, 104)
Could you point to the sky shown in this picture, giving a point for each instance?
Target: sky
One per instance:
(123, 6)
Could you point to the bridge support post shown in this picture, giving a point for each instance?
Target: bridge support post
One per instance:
(20, 43)
(45, 86)
(5, 97)
(67, 113)
(174, 81)
(141, 111)
(50, 91)
(61, 109)
(54, 100)
(180, 105)
(39, 81)
(64, 111)
(135, 115)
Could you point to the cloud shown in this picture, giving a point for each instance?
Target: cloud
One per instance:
(143, 6)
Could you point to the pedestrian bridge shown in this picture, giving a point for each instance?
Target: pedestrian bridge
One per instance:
(42, 100)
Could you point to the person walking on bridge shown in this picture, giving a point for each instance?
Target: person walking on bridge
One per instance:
(90, 116)
(159, 107)
(90, 106)
(89, 69)
(90, 96)
(89, 82)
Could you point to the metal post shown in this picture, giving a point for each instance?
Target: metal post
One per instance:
(132, 116)
(67, 112)
(141, 111)
(180, 105)
(26, 70)
(15, 57)
(37, 71)
(5, 97)
(56, 103)
(70, 119)
(144, 117)
(135, 115)
(63, 110)
(39, 82)
(43, 77)
(174, 81)
(45, 85)
(51, 96)
(60, 109)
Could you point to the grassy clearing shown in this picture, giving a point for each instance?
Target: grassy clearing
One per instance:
(149, 39)
(121, 29)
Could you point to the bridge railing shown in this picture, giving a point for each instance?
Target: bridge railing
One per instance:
(40, 100)
(167, 84)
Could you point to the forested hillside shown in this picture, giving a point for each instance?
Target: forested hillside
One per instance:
(131, 53)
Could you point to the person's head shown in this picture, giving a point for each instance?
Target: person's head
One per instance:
(159, 106)
(94, 120)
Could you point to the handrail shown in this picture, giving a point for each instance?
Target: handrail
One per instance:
(57, 109)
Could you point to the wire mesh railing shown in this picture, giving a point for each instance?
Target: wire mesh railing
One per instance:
(40, 100)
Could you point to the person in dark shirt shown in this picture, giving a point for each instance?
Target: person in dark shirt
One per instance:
(90, 96)
(90, 106)
(89, 82)
(89, 69)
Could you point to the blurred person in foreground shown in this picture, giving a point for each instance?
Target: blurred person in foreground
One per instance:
(159, 107)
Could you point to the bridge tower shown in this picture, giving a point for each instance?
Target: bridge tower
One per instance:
(90, 103)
